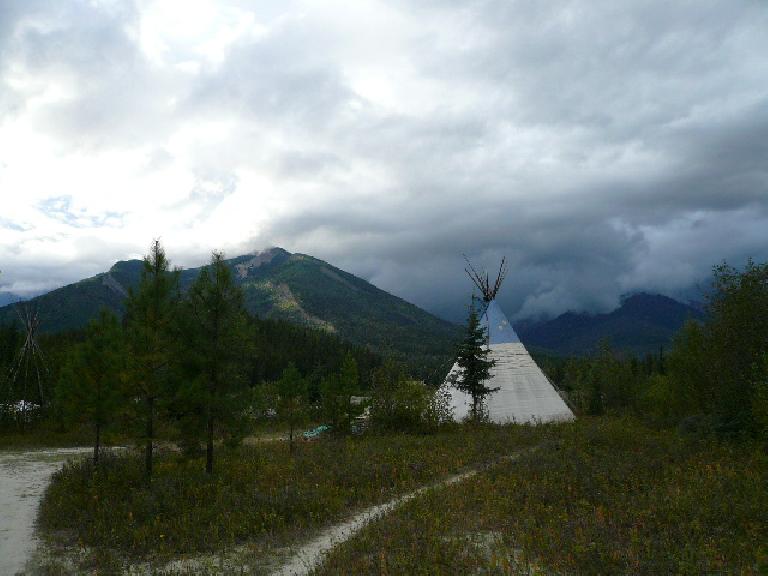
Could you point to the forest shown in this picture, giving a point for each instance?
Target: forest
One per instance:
(713, 381)
(178, 367)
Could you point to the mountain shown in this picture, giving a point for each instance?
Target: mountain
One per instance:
(276, 284)
(642, 324)
(9, 298)
(310, 292)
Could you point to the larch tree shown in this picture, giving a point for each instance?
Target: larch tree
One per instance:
(217, 343)
(150, 315)
(349, 380)
(337, 389)
(292, 389)
(92, 381)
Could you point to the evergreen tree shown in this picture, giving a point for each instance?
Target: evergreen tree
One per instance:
(472, 359)
(91, 387)
(217, 345)
(150, 312)
(349, 380)
(337, 390)
(760, 397)
(595, 404)
(736, 342)
(384, 408)
(292, 389)
(332, 401)
(714, 367)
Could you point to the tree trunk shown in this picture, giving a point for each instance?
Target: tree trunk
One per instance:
(96, 445)
(209, 448)
(290, 437)
(150, 435)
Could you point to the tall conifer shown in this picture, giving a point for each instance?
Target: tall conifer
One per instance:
(292, 389)
(92, 379)
(217, 344)
(150, 310)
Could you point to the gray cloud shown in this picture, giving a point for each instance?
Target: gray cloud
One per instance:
(602, 147)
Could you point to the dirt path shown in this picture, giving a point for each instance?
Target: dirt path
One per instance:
(23, 479)
(311, 554)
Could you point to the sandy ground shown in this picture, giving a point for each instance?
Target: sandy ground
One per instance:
(23, 478)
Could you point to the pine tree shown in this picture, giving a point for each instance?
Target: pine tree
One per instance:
(150, 310)
(349, 380)
(217, 344)
(91, 387)
(332, 401)
(292, 389)
(472, 359)
(337, 390)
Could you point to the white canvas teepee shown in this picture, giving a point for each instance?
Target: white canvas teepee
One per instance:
(525, 394)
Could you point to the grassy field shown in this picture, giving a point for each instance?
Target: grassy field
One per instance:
(259, 494)
(606, 497)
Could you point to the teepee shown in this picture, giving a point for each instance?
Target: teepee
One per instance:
(524, 393)
(28, 367)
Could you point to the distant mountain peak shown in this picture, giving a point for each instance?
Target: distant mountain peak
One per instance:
(244, 265)
(641, 324)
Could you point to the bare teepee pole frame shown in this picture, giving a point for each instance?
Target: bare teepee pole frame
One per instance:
(30, 359)
(483, 282)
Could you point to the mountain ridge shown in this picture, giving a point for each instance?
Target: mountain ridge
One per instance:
(308, 291)
(276, 284)
(641, 324)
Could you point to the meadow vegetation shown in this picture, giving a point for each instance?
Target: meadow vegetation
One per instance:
(259, 493)
(602, 496)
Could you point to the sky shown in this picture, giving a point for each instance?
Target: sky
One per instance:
(603, 147)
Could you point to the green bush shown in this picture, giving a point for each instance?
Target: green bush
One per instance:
(410, 406)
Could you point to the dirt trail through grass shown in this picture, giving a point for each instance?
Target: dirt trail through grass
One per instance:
(23, 479)
(311, 554)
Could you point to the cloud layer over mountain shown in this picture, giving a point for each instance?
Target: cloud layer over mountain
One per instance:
(602, 146)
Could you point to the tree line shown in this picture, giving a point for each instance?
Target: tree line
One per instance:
(198, 367)
(712, 380)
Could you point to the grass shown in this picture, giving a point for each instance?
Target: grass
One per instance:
(259, 494)
(607, 497)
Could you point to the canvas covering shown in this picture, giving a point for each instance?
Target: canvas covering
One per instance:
(525, 394)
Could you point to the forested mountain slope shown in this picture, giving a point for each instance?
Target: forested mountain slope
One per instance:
(642, 324)
(280, 285)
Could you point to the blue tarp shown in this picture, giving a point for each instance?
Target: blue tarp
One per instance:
(315, 432)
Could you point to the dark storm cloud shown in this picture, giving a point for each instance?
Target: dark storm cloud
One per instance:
(603, 147)
(681, 87)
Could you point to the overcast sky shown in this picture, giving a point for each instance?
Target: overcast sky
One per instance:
(604, 147)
